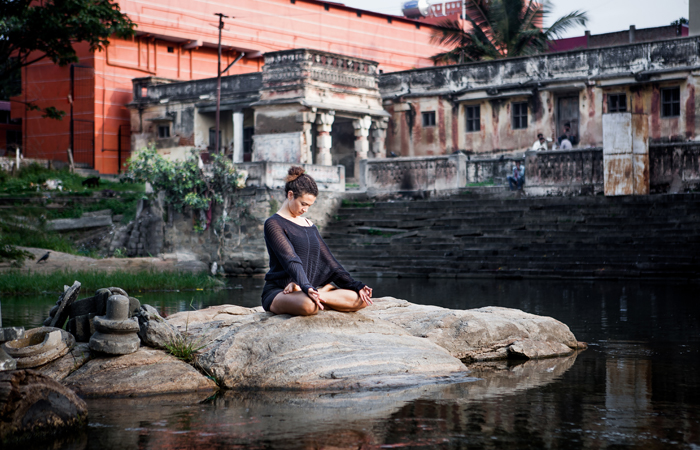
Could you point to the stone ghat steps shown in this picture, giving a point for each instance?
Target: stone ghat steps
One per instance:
(578, 236)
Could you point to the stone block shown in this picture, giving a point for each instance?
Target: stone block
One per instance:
(154, 330)
(79, 224)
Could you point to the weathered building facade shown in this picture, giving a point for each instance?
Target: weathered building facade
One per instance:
(501, 106)
(316, 107)
(305, 107)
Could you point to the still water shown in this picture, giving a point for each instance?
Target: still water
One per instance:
(637, 386)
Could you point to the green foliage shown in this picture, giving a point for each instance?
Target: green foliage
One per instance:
(184, 347)
(13, 254)
(182, 182)
(16, 232)
(185, 184)
(32, 31)
(20, 282)
(119, 252)
(499, 29)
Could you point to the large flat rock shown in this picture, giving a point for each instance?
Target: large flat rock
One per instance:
(145, 372)
(479, 334)
(330, 351)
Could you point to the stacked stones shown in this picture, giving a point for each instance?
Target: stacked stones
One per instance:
(82, 313)
(144, 235)
(116, 332)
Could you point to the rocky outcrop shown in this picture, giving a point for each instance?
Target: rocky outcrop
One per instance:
(145, 372)
(155, 331)
(330, 351)
(33, 403)
(393, 343)
(479, 334)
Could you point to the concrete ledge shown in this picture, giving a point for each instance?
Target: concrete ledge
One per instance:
(79, 224)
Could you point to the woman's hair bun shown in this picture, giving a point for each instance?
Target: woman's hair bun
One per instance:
(294, 173)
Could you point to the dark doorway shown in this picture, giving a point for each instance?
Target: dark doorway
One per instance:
(343, 145)
(567, 111)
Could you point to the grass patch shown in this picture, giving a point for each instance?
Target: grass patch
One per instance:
(29, 178)
(184, 347)
(355, 204)
(14, 233)
(17, 282)
(488, 182)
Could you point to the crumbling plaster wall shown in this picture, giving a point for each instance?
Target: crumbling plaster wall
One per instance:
(641, 70)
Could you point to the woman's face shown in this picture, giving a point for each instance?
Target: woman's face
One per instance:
(301, 204)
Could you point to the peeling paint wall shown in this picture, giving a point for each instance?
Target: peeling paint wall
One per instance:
(640, 71)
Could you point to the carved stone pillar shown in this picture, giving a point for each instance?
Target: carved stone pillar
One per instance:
(324, 124)
(307, 120)
(361, 127)
(378, 137)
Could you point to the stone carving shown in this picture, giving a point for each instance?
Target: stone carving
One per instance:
(39, 346)
(154, 330)
(59, 313)
(116, 332)
(82, 312)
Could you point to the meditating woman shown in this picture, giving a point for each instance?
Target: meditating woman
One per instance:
(301, 265)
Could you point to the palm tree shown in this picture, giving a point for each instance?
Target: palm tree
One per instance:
(500, 29)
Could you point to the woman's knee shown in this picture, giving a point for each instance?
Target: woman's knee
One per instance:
(308, 308)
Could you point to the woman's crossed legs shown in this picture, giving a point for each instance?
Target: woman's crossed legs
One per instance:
(293, 301)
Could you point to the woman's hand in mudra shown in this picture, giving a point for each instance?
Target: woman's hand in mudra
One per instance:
(316, 298)
(366, 295)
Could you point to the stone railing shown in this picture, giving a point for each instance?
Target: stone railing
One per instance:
(272, 174)
(578, 171)
(674, 167)
(435, 174)
(490, 171)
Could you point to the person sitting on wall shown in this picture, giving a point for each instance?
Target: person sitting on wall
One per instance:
(517, 179)
(302, 267)
(540, 144)
(573, 139)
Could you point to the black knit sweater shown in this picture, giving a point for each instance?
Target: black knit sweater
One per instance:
(298, 254)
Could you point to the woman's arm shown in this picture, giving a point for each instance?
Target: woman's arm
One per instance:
(279, 244)
(340, 276)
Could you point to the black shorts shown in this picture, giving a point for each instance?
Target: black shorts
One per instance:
(270, 291)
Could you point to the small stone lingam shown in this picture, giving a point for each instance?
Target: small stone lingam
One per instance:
(116, 333)
(39, 346)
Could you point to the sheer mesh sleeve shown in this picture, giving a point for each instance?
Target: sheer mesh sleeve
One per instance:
(339, 275)
(279, 244)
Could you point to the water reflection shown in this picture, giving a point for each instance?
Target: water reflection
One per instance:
(638, 385)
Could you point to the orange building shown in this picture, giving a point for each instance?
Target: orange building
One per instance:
(177, 39)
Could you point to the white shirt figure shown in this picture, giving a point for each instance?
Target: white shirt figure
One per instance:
(540, 145)
(566, 144)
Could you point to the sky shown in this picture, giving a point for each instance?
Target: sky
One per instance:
(604, 16)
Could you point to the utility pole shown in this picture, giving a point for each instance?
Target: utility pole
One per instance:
(218, 82)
